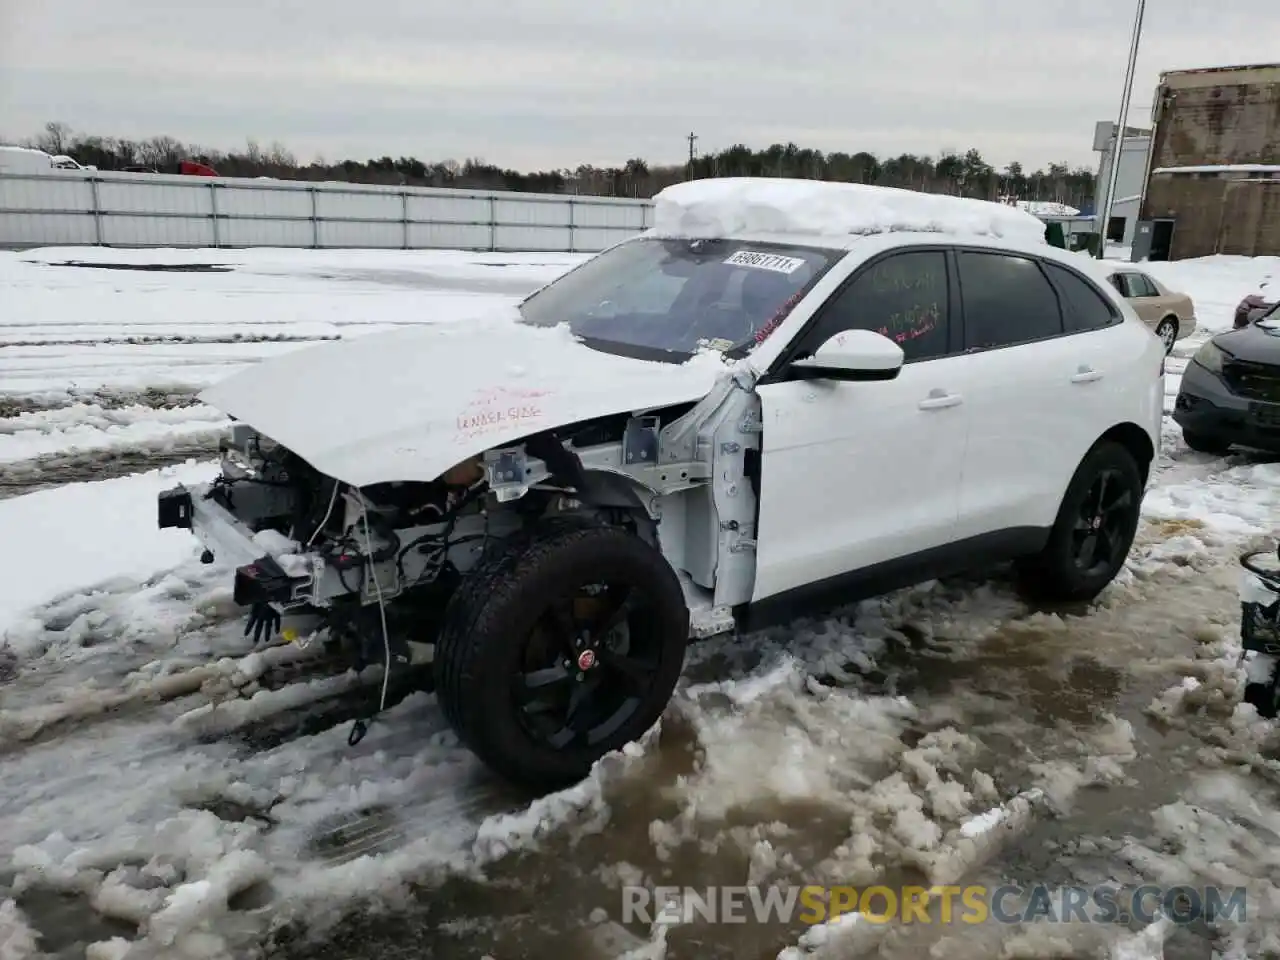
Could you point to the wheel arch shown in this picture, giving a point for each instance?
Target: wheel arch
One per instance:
(1137, 441)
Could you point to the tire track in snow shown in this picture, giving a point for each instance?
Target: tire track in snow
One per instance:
(16, 336)
(78, 441)
(108, 398)
(54, 469)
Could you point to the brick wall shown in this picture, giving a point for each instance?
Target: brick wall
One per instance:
(1214, 215)
(1217, 125)
(1217, 118)
(1195, 203)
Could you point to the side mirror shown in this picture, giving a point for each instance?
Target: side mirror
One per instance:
(852, 355)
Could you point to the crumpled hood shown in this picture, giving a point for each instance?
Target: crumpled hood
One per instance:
(409, 404)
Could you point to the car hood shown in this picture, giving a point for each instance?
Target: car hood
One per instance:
(409, 404)
(1254, 342)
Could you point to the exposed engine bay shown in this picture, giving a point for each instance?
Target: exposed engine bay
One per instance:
(375, 567)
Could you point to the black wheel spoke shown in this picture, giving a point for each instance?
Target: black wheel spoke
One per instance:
(614, 608)
(1099, 527)
(589, 664)
(581, 696)
(1088, 550)
(637, 674)
(1105, 548)
(1120, 504)
(537, 684)
(559, 620)
(574, 731)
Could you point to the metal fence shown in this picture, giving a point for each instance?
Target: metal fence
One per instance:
(75, 207)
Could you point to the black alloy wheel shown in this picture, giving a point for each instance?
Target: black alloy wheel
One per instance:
(1098, 536)
(588, 665)
(1093, 531)
(562, 645)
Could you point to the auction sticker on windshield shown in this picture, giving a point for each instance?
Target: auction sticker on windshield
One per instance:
(765, 261)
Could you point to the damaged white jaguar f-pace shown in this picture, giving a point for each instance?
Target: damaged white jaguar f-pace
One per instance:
(786, 395)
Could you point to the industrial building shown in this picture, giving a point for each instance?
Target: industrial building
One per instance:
(1135, 150)
(1213, 181)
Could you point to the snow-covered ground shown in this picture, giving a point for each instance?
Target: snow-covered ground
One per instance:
(167, 791)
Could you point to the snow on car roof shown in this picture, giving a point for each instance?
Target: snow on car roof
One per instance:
(734, 206)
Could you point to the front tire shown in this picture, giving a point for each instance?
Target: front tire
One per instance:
(562, 647)
(1093, 532)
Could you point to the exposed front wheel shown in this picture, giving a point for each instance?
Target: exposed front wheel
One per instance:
(1167, 331)
(1093, 532)
(559, 649)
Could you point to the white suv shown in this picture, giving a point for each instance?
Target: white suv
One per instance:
(785, 396)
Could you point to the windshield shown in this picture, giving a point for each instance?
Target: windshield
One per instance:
(666, 299)
(1271, 319)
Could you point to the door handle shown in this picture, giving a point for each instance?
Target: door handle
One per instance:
(939, 399)
(1086, 374)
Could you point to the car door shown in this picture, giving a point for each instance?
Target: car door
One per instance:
(1035, 395)
(854, 475)
(1165, 302)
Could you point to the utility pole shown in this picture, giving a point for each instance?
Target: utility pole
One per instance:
(692, 138)
(1117, 148)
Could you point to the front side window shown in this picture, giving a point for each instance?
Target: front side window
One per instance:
(903, 297)
(1007, 301)
(667, 299)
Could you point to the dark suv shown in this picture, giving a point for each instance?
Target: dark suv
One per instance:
(1230, 393)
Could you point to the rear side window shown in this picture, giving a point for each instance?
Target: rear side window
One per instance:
(1083, 307)
(1140, 285)
(1007, 301)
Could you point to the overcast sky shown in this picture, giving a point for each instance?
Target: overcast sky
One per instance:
(534, 84)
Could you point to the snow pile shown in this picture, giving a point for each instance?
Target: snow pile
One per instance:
(733, 206)
(1047, 208)
(780, 740)
(1239, 501)
(118, 517)
(1219, 835)
(17, 940)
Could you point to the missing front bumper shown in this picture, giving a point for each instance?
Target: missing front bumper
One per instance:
(259, 578)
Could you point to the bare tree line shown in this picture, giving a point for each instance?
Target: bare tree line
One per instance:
(959, 174)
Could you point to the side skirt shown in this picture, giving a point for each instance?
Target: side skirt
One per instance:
(974, 553)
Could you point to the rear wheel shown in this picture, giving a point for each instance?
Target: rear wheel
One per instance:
(1167, 331)
(559, 649)
(1093, 532)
